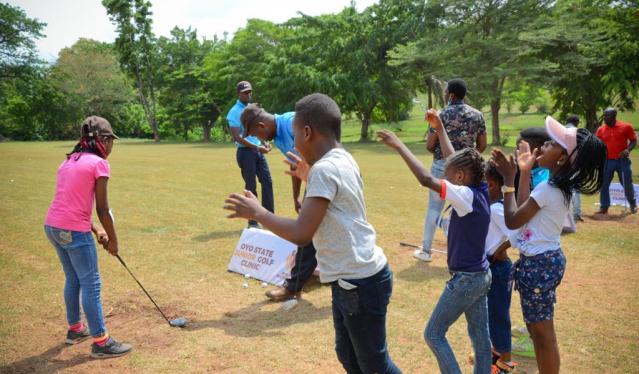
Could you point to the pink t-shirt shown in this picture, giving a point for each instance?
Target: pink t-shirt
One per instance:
(75, 192)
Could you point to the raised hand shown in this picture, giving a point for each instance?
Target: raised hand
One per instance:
(297, 166)
(389, 138)
(243, 206)
(505, 165)
(525, 158)
(433, 119)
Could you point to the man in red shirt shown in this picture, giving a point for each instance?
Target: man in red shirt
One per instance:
(620, 139)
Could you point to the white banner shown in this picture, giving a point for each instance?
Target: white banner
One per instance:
(617, 196)
(264, 256)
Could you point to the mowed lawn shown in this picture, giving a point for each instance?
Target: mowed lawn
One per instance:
(167, 200)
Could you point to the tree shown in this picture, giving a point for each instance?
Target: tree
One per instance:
(32, 109)
(478, 41)
(135, 46)
(89, 75)
(591, 54)
(17, 35)
(350, 50)
(183, 94)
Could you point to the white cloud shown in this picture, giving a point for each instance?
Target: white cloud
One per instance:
(69, 20)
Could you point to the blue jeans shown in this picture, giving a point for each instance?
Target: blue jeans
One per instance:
(576, 204)
(464, 293)
(435, 205)
(359, 318)
(499, 298)
(79, 259)
(252, 163)
(624, 172)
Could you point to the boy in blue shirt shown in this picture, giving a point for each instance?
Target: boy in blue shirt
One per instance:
(250, 151)
(278, 128)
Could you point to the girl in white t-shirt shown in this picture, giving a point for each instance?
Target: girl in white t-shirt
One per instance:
(575, 158)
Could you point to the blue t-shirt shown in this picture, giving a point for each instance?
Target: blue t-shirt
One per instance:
(468, 227)
(539, 175)
(284, 139)
(234, 121)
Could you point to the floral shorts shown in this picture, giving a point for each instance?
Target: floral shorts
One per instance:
(536, 278)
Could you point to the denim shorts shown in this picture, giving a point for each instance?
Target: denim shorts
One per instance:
(536, 278)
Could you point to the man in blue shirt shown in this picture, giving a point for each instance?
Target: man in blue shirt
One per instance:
(250, 151)
(279, 129)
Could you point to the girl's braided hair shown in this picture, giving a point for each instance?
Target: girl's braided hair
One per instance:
(469, 160)
(89, 144)
(584, 172)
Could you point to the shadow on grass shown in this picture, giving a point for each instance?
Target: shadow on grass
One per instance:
(421, 271)
(216, 235)
(609, 217)
(252, 320)
(46, 362)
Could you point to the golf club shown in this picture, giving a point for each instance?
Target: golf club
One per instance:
(178, 322)
(420, 247)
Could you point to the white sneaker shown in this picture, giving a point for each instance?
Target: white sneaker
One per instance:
(421, 255)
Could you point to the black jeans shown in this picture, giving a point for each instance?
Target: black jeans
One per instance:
(359, 318)
(252, 164)
(305, 264)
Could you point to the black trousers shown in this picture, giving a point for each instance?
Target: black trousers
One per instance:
(253, 164)
(305, 264)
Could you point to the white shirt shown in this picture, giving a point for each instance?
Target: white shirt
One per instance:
(542, 232)
(498, 233)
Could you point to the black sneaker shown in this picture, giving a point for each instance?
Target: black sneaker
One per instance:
(110, 349)
(77, 337)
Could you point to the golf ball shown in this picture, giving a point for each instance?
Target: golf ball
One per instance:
(244, 285)
(247, 276)
(264, 284)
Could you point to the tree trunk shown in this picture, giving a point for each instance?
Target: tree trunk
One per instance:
(495, 104)
(149, 113)
(186, 133)
(429, 83)
(592, 122)
(154, 125)
(366, 121)
(207, 131)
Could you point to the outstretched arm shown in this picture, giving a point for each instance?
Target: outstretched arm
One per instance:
(416, 167)
(299, 231)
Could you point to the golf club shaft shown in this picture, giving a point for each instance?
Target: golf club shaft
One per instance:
(419, 247)
(142, 287)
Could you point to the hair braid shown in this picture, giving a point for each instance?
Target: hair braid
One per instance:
(584, 174)
(469, 160)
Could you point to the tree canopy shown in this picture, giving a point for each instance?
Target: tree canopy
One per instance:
(566, 56)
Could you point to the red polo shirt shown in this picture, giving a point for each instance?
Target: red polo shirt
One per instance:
(616, 138)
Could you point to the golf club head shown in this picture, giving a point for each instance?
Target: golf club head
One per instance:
(178, 322)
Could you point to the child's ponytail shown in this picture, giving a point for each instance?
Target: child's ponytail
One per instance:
(584, 174)
(89, 143)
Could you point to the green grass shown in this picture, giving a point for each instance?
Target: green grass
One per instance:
(167, 199)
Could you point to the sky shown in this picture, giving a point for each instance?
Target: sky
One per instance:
(69, 20)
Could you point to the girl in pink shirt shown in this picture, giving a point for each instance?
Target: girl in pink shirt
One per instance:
(82, 179)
